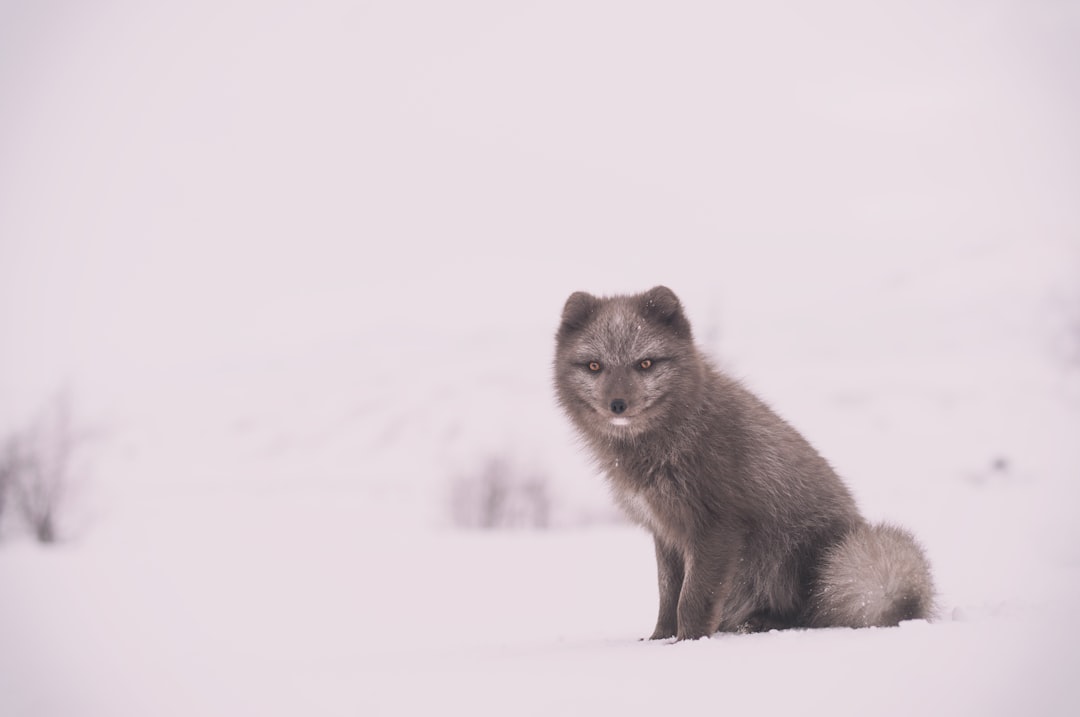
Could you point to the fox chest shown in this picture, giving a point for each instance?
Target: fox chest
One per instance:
(639, 509)
(660, 514)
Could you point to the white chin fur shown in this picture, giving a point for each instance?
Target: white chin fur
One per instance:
(620, 421)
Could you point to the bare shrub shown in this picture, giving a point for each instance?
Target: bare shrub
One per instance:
(35, 470)
(500, 495)
(7, 476)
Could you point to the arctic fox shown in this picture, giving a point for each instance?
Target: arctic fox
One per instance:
(753, 530)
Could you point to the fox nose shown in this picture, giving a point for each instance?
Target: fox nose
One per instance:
(618, 406)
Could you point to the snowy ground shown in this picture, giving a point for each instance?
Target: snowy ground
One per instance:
(299, 268)
(287, 603)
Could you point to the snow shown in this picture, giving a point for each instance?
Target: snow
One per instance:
(287, 603)
(299, 267)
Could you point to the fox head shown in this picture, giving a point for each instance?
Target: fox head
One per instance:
(624, 363)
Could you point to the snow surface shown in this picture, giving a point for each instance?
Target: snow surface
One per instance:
(289, 604)
(299, 267)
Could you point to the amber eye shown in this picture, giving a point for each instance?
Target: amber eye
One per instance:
(647, 363)
(594, 365)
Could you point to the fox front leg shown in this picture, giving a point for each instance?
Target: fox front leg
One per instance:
(669, 574)
(708, 569)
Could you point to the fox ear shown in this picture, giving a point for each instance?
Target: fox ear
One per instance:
(660, 304)
(578, 310)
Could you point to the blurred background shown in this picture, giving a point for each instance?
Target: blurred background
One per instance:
(278, 289)
(322, 247)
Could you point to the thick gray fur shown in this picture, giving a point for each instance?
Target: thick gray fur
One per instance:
(752, 527)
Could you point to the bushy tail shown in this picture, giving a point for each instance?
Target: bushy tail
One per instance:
(877, 575)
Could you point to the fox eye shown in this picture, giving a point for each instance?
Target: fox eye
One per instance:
(646, 364)
(594, 365)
